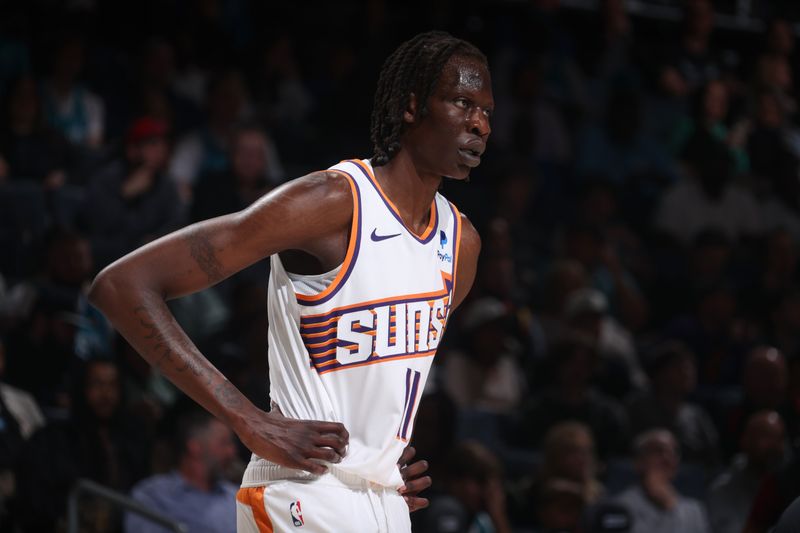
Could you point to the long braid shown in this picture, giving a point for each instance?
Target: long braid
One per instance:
(414, 67)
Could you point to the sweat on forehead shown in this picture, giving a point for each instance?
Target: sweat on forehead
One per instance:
(466, 72)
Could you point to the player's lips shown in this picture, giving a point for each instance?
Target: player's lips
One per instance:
(471, 152)
(470, 157)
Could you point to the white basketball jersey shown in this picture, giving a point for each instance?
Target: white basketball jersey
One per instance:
(359, 351)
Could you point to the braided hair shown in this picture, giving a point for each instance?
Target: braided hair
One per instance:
(414, 67)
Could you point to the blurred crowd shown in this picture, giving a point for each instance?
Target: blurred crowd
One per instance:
(628, 360)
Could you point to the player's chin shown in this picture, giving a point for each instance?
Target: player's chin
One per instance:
(460, 172)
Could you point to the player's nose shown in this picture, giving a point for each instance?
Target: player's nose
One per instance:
(479, 123)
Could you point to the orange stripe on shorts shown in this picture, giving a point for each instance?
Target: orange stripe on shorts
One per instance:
(254, 497)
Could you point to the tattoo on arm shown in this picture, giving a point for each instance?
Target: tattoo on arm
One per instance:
(161, 348)
(156, 338)
(227, 395)
(203, 253)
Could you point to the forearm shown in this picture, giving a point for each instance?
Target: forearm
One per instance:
(143, 318)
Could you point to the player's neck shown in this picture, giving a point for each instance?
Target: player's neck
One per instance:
(410, 189)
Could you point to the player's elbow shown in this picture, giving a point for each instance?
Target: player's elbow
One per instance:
(110, 288)
(103, 287)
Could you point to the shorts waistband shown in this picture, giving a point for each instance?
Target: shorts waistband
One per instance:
(260, 471)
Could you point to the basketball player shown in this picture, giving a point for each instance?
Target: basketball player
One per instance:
(368, 261)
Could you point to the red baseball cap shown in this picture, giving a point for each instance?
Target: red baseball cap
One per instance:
(144, 128)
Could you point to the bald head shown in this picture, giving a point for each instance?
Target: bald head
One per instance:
(763, 439)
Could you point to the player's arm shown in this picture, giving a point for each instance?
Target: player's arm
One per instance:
(468, 250)
(312, 213)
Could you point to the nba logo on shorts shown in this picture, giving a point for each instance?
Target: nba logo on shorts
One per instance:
(297, 513)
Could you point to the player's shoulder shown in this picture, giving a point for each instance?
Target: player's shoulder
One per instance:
(320, 188)
(330, 180)
(470, 239)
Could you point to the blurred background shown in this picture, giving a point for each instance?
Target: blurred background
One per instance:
(629, 357)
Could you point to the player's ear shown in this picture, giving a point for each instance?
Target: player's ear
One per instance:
(410, 113)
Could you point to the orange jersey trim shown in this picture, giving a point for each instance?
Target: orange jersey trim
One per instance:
(431, 223)
(351, 249)
(457, 246)
(429, 353)
(419, 296)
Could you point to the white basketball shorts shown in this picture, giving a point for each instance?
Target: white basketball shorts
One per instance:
(324, 504)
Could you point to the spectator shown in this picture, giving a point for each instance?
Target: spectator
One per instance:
(100, 441)
(764, 387)
(251, 175)
(587, 312)
(709, 112)
(620, 150)
(569, 455)
(486, 375)
(692, 62)
(774, 75)
(132, 201)
(779, 37)
(530, 126)
(207, 149)
(774, 160)
(569, 395)
(28, 148)
(708, 263)
(673, 376)
(61, 325)
(474, 498)
(284, 100)
(157, 90)
(197, 492)
(559, 506)
(731, 494)
(707, 198)
(654, 502)
(20, 417)
(775, 493)
(607, 273)
(715, 334)
(608, 54)
(774, 277)
(69, 106)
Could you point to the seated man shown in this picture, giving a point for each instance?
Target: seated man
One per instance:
(196, 493)
(653, 502)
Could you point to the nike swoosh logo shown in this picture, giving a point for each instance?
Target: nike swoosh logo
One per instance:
(378, 238)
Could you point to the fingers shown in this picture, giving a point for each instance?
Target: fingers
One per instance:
(335, 442)
(415, 503)
(408, 453)
(415, 486)
(313, 467)
(414, 470)
(332, 427)
(323, 454)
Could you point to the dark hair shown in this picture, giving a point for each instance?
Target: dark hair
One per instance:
(190, 426)
(81, 411)
(664, 355)
(470, 459)
(414, 67)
